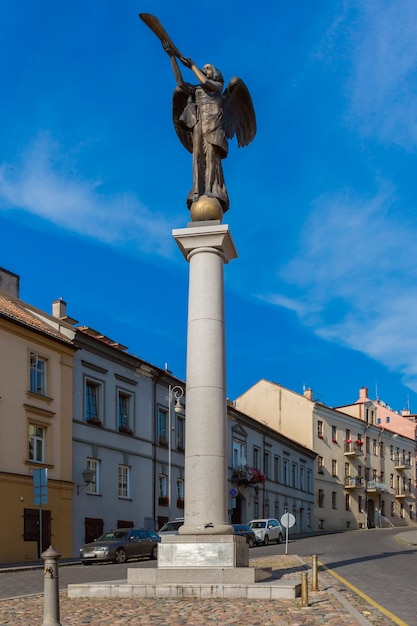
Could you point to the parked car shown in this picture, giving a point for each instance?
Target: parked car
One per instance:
(267, 530)
(171, 527)
(121, 544)
(246, 531)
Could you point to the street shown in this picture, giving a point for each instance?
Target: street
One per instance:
(374, 561)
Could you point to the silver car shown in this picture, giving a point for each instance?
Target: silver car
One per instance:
(121, 544)
(171, 527)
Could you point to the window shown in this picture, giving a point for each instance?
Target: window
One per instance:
(391, 481)
(320, 465)
(277, 464)
(180, 489)
(334, 467)
(256, 452)
(387, 419)
(309, 482)
(239, 454)
(36, 443)
(302, 478)
(347, 502)
(93, 487)
(92, 402)
(321, 498)
(37, 374)
(294, 475)
(162, 486)
(276, 509)
(360, 504)
(124, 413)
(286, 477)
(180, 434)
(266, 508)
(374, 447)
(334, 500)
(162, 427)
(320, 433)
(124, 481)
(334, 434)
(266, 464)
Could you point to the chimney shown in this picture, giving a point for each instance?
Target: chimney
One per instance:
(363, 393)
(59, 311)
(9, 282)
(308, 393)
(59, 308)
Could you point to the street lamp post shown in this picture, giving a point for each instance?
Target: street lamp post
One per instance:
(176, 392)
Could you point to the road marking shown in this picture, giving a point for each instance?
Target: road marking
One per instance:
(360, 593)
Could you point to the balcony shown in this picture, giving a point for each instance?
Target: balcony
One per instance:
(373, 486)
(353, 482)
(401, 462)
(353, 449)
(403, 492)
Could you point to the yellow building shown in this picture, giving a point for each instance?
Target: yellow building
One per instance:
(36, 362)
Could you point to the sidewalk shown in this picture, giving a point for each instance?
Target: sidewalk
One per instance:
(332, 605)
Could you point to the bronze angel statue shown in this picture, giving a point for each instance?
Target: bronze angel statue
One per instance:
(205, 117)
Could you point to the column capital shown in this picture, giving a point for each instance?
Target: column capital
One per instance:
(216, 236)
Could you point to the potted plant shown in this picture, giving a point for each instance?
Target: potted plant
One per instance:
(163, 500)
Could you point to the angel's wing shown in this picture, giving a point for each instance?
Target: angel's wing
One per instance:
(182, 109)
(238, 113)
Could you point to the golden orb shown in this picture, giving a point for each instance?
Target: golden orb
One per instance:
(206, 208)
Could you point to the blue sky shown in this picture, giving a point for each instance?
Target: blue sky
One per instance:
(323, 203)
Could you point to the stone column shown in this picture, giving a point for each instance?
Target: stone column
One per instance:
(207, 246)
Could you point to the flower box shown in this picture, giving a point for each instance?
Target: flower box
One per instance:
(334, 440)
(320, 436)
(180, 503)
(163, 500)
(95, 422)
(248, 476)
(124, 428)
(359, 442)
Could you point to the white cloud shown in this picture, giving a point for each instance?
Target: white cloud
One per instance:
(40, 184)
(382, 87)
(353, 279)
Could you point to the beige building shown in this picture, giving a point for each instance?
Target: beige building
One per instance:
(36, 359)
(360, 480)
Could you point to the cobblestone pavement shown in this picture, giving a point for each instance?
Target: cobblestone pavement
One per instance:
(332, 605)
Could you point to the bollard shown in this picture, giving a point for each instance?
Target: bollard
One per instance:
(304, 589)
(51, 587)
(314, 581)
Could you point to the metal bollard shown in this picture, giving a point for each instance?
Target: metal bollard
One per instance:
(314, 581)
(51, 587)
(304, 589)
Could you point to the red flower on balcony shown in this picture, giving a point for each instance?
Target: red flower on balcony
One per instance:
(359, 442)
(163, 500)
(320, 436)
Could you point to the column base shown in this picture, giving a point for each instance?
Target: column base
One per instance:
(199, 551)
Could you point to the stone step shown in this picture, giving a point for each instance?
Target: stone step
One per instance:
(271, 590)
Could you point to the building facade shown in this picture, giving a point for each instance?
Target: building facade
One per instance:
(36, 369)
(269, 474)
(360, 480)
